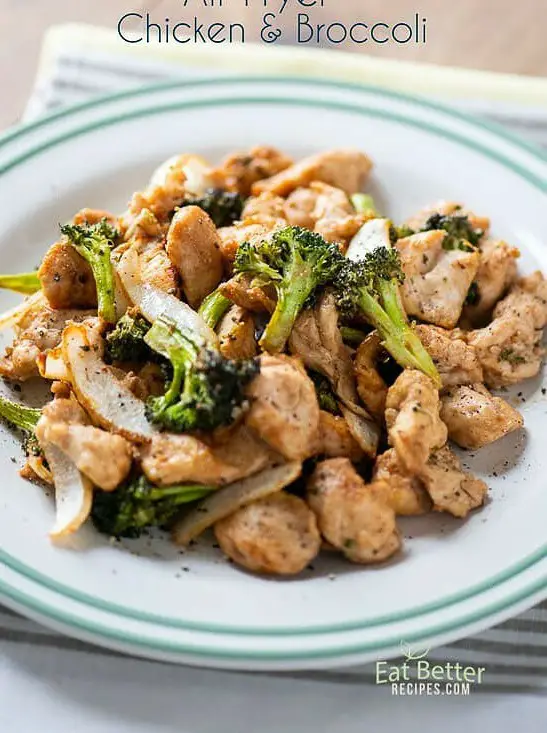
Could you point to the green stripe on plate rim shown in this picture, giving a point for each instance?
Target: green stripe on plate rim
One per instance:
(37, 577)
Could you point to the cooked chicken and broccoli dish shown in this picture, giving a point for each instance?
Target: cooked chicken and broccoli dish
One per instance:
(254, 348)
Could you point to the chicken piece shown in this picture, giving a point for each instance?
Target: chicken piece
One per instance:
(266, 205)
(170, 459)
(451, 489)
(66, 278)
(335, 439)
(165, 192)
(316, 339)
(252, 298)
(300, 206)
(476, 418)
(412, 418)
(497, 271)
(456, 361)
(194, 249)
(345, 169)
(509, 350)
(404, 493)
(39, 330)
(370, 385)
(253, 229)
(147, 238)
(236, 334)
(105, 458)
(447, 208)
(526, 300)
(240, 171)
(284, 409)
(277, 535)
(436, 280)
(350, 515)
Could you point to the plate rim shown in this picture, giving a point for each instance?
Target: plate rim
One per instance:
(500, 578)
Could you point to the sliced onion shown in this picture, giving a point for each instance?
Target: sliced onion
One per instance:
(373, 234)
(196, 169)
(51, 366)
(226, 501)
(153, 302)
(11, 318)
(111, 405)
(38, 466)
(73, 493)
(362, 427)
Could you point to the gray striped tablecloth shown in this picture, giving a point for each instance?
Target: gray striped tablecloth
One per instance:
(514, 653)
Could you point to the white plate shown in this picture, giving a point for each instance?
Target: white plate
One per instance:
(453, 578)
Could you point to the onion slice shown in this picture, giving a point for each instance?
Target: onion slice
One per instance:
(362, 427)
(51, 365)
(12, 317)
(373, 234)
(153, 302)
(196, 169)
(111, 405)
(229, 499)
(73, 493)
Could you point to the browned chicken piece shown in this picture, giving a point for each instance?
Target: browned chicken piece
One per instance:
(236, 334)
(253, 229)
(193, 247)
(497, 271)
(349, 513)
(143, 381)
(403, 492)
(300, 207)
(266, 205)
(66, 278)
(509, 350)
(476, 418)
(277, 535)
(252, 298)
(451, 489)
(436, 280)
(105, 458)
(170, 459)
(335, 439)
(345, 169)
(284, 409)
(456, 361)
(371, 387)
(147, 237)
(39, 330)
(412, 418)
(447, 208)
(526, 300)
(160, 198)
(238, 172)
(316, 339)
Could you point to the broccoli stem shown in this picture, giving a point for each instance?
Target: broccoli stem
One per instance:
(363, 203)
(25, 283)
(213, 307)
(352, 336)
(20, 416)
(289, 304)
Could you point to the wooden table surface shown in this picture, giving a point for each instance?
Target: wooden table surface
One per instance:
(499, 35)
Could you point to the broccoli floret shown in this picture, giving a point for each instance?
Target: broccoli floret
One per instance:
(460, 234)
(296, 262)
(224, 207)
(206, 390)
(126, 342)
(213, 307)
(370, 287)
(94, 243)
(399, 232)
(25, 283)
(25, 418)
(138, 505)
(325, 396)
